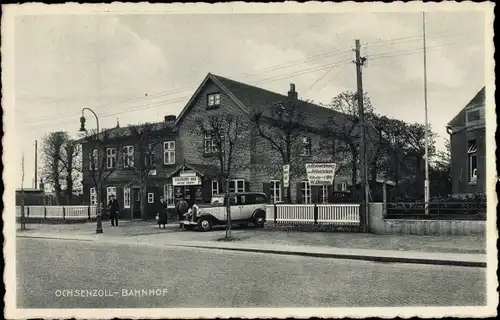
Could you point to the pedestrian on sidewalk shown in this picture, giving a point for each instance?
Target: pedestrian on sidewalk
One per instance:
(162, 215)
(113, 209)
(181, 207)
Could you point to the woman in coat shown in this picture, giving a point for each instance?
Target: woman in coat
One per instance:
(162, 215)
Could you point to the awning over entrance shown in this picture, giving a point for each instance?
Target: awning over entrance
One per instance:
(202, 170)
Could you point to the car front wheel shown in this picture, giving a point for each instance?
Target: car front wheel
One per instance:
(259, 221)
(204, 224)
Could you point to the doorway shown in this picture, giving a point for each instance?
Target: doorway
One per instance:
(135, 205)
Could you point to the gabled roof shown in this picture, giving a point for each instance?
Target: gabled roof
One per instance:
(459, 119)
(123, 132)
(251, 98)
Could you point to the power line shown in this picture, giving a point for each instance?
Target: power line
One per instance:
(289, 64)
(179, 99)
(273, 68)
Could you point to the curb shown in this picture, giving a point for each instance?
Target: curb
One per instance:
(383, 259)
(359, 257)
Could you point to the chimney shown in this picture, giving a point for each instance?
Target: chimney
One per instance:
(292, 93)
(170, 118)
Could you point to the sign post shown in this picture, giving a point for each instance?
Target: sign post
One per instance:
(320, 174)
(286, 180)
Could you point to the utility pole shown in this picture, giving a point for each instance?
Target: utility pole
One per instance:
(362, 152)
(426, 185)
(36, 166)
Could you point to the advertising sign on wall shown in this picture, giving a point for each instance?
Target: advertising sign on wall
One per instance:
(286, 175)
(186, 181)
(320, 174)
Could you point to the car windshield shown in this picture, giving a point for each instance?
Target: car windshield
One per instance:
(219, 200)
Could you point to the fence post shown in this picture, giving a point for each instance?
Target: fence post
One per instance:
(44, 211)
(89, 211)
(315, 213)
(275, 213)
(27, 211)
(64, 212)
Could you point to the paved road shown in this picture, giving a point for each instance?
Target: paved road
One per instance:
(211, 278)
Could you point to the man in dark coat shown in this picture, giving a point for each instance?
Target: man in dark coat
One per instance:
(113, 209)
(162, 215)
(181, 207)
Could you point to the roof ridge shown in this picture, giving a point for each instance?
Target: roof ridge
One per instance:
(263, 89)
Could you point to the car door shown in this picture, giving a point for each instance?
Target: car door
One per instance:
(247, 204)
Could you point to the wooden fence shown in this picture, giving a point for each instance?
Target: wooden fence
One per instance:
(58, 212)
(324, 214)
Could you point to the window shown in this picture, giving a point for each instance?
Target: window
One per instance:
(168, 194)
(110, 158)
(473, 115)
(128, 156)
(126, 197)
(109, 192)
(237, 185)
(260, 198)
(93, 160)
(150, 158)
(305, 192)
(212, 142)
(151, 197)
(472, 159)
(169, 152)
(324, 194)
(213, 100)
(215, 187)
(93, 197)
(306, 146)
(275, 191)
(343, 186)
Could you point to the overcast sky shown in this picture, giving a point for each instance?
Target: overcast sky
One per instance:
(142, 67)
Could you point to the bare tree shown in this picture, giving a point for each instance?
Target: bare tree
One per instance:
(52, 154)
(281, 127)
(230, 136)
(101, 166)
(71, 165)
(141, 159)
(344, 126)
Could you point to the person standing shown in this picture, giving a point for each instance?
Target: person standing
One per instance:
(162, 215)
(113, 209)
(181, 207)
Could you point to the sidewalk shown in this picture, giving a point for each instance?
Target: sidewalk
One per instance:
(466, 251)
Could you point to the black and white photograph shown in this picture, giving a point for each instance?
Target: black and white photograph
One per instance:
(249, 160)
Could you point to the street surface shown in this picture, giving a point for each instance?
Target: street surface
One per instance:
(183, 278)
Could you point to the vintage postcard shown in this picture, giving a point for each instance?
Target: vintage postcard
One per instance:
(249, 160)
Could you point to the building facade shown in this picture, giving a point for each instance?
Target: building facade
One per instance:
(186, 163)
(468, 148)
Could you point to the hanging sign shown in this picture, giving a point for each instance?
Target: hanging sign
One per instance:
(320, 174)
(286, 175)
(186, 181)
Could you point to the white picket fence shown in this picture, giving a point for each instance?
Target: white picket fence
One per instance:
(325, 214)
(58, 212)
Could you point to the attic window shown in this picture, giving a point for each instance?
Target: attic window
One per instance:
(474, 115)
(213, 100)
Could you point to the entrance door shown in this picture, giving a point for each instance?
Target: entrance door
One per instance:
(136, 203)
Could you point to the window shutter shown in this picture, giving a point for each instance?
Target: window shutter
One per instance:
(315, 194)
(299, 192)
(207, 190)
(330, 193)
(266, 188)
(247, 186)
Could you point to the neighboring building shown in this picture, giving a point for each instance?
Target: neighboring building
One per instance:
(186, 165)
(468, 148)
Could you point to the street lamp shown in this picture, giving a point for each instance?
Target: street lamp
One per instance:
(98, 187)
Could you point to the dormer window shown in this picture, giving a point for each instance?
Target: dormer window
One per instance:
(213, 100)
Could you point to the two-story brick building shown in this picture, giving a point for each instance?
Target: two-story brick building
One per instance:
(468, 148)
(186, 165)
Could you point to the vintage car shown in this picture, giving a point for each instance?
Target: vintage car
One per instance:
(246, 207)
